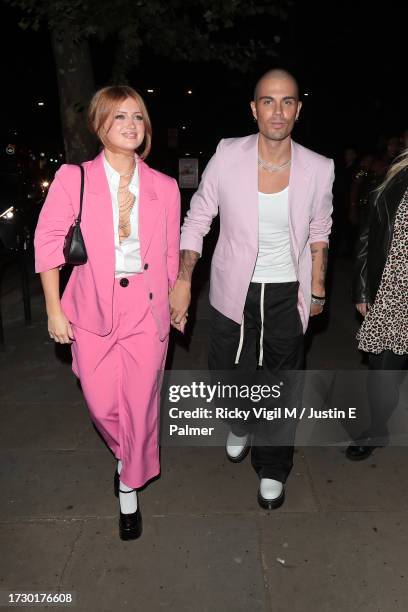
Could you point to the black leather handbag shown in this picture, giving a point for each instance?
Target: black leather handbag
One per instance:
(74, 245)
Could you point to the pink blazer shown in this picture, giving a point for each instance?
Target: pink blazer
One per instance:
(229, 186)
(87, 299)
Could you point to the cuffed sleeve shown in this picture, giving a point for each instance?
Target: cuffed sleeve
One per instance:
(320, 225)
(56, 217)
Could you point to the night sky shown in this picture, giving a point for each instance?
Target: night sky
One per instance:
(348, 56)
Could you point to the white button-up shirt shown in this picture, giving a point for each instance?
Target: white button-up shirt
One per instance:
(127, 253)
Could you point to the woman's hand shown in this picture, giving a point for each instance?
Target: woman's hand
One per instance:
(60, 328)
(363, 308)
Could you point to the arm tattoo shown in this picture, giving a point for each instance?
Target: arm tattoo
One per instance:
(188, 260)
(319, 263)
(323, 267)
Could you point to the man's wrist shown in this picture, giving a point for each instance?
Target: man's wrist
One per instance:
(318, 290)
(318, 300)
(318, 294)
(188, 260)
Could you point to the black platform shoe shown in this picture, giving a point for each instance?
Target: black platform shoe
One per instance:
(271, 504)
(359, 453)
(363, 447)
(130, 525)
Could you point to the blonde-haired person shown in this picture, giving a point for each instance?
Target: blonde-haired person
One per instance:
(380, 293)
(115, 308)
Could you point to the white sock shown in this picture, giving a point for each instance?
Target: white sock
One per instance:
(236, 444)
(119, 467)
(128, 501)
(270, 488)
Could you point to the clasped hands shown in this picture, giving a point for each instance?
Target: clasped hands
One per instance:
(179, 300)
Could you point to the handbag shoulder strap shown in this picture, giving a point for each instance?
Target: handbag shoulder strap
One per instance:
(81, 197)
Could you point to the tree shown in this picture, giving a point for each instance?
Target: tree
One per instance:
(202, 30)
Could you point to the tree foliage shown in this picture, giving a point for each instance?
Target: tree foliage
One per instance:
(198, 30)
(183, 30)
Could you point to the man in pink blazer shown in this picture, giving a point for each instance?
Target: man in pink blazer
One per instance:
(274, 198)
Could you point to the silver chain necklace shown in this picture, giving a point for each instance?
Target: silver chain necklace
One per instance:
(271, 167)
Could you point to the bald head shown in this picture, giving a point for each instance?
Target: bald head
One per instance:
(276, 73)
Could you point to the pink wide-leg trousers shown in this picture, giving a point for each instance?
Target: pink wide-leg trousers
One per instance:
(120, 375)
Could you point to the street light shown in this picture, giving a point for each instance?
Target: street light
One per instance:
(8, 214)
(40, 103)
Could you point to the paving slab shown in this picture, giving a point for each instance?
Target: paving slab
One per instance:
(52, 484)
(34, 554)
(200, 564)
(43, 425)
(90, 438)
(372, 485)
(336, 562)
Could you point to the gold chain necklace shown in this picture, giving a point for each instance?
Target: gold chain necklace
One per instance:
(126, 202)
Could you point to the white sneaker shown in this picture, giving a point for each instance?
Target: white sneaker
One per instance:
(271, 493)
(237, 447)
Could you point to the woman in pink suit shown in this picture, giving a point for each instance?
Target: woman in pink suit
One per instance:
(115, 308)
